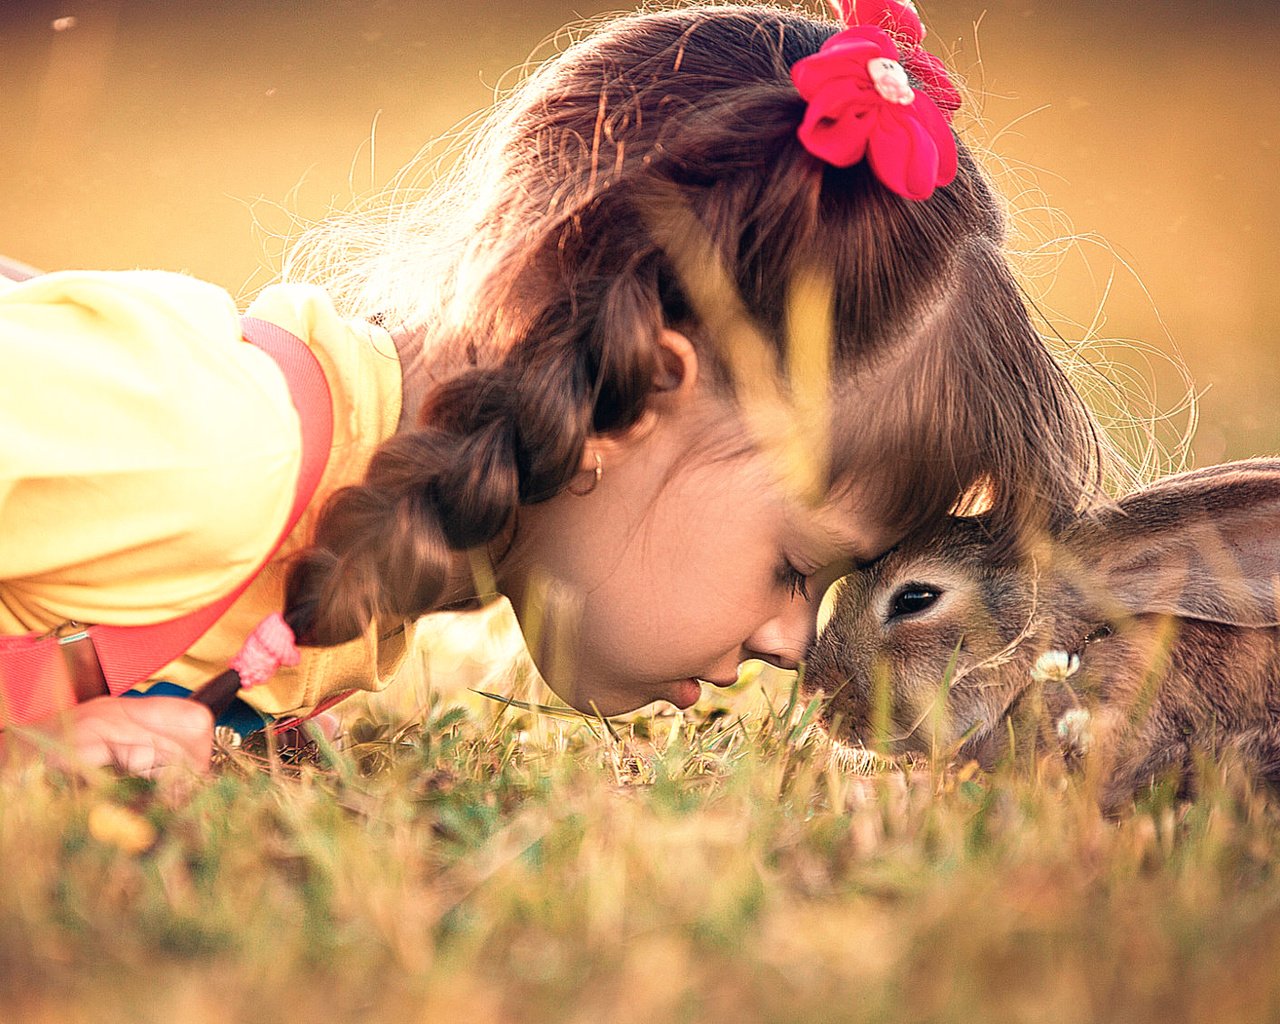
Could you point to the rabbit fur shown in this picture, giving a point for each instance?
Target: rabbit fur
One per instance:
(1168, 597)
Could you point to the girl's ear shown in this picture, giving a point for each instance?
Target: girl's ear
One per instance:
(677, 366)
(1201, 545)
(675, 379)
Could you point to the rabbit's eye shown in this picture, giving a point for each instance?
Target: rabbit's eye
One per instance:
(910, 600)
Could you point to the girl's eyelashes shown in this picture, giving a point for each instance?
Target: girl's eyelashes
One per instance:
(793, 579)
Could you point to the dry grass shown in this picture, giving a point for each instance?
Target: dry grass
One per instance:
(486, 864)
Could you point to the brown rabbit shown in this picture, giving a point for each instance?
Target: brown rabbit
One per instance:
(1170, 601)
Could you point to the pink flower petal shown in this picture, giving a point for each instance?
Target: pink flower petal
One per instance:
(864, 34)
(846, 59)
(837, 133)
(909, 146)
(936, 124)
(899, 20)
(903, 154)
(932, 75)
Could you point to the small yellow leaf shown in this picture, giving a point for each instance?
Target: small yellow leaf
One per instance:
(122, 828)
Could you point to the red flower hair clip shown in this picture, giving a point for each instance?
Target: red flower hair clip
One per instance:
(862, 105)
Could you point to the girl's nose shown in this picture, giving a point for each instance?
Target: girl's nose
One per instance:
(784, 639)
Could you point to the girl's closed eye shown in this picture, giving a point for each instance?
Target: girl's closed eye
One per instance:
(792, 578)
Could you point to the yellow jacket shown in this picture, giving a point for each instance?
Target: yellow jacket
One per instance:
(148, 458)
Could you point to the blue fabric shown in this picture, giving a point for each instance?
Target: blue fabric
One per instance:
(240, 716)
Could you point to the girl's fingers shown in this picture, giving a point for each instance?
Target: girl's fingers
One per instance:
(142, 735)
(173, 716)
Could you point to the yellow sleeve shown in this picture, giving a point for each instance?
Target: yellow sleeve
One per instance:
(147, 455)
(148, 460)
(360, 363)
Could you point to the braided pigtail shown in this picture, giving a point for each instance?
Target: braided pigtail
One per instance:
(492, 438)
(382, 549)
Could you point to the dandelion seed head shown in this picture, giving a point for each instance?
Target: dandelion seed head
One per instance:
(226, 737)
(1074, 730)
(1055, 666)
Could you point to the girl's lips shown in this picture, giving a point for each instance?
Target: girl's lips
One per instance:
(685, 693)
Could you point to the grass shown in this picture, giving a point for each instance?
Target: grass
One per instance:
(489, 864)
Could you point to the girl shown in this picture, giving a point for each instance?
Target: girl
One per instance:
(714, 306)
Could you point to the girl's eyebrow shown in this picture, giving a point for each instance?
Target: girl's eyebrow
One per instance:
(849, 559)
(843, 535)
(859, 564)
(860, 550)
(858, 560)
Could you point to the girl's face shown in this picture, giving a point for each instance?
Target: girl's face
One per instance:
(675, 567)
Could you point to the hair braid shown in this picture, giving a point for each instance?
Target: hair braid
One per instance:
(586, 366)
(624, 360)
(382, 547)
(494, 437)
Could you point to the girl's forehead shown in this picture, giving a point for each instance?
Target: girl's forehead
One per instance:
(844, 526)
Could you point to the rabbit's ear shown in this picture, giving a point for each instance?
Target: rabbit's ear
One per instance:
(1202, 545)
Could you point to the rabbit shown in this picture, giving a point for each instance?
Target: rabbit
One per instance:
(1165, 606)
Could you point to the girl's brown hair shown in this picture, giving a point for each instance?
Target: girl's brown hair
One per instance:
(543, 321)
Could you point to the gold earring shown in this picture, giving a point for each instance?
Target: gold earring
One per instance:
(595, 479)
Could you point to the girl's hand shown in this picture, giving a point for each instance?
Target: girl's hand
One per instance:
(138, 736)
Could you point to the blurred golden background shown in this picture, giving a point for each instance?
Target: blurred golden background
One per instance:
(153, 133)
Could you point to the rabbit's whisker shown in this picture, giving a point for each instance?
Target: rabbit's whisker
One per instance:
(856, 759)
(914, 725)
(1009, 651)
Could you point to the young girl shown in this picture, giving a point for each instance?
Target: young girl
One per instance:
(715, 305)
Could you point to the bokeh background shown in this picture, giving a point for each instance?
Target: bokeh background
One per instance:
(185, 135)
